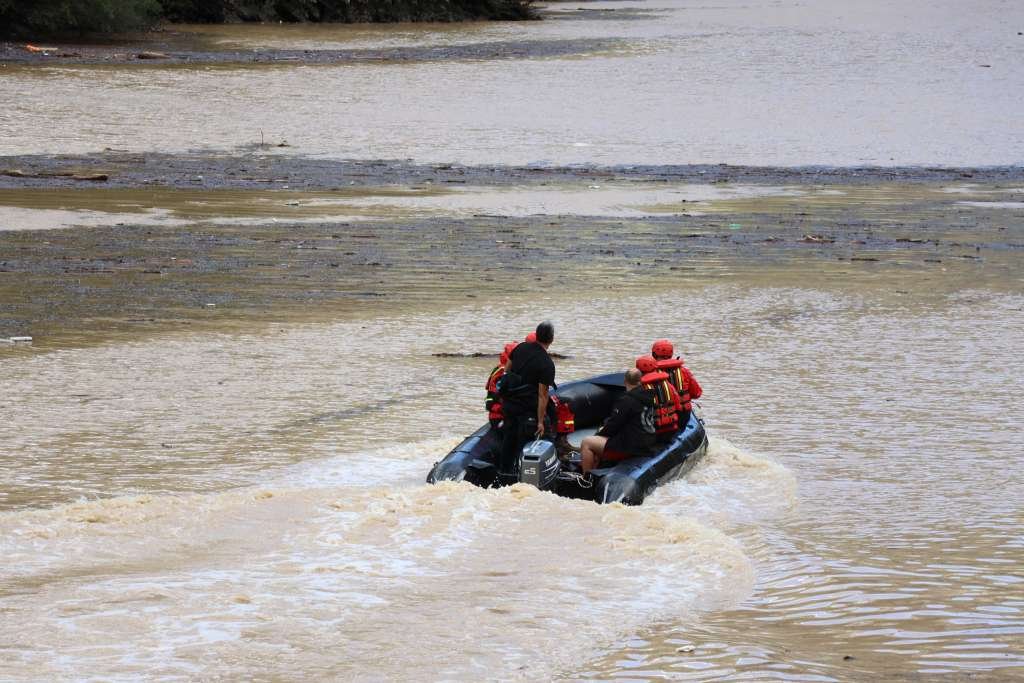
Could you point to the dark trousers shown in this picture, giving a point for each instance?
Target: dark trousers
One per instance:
(518, 431)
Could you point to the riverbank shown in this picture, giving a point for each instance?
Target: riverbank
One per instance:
(204, 241)
(156, 51)
(230, 45)
(21, 18)
(262, 164)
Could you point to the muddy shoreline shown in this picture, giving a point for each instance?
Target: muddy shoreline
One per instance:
(176, 44)
(83, 286)
(266, 165)
(88, 285)
(159, 54)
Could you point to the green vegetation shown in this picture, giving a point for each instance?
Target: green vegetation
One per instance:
(37, 18)
(217, 11)
(49, 18)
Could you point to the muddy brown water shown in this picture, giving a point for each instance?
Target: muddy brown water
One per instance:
(244, 499)
(782, 83)
(192, 491)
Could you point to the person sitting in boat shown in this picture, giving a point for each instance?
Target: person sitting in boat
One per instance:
(667, 404)
(492, 404)
(628, 432)
(524, 392)
(680, 376)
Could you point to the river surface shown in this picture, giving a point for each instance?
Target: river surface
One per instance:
(770, 82)
(251, 505)
(247, 502)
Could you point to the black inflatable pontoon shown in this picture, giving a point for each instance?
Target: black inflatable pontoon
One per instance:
(591, 400)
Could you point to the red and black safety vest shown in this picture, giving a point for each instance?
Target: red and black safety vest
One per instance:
(565, 418)
(667, 403)
(680, 377)
(492, 404)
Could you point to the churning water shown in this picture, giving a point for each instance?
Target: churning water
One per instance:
(269, 519)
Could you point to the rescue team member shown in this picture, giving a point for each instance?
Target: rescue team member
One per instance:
(667, 403)
(524, 393)
(492, 404)
(680, 376)
(629, 430)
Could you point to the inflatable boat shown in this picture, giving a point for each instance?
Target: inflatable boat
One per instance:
(591, 400)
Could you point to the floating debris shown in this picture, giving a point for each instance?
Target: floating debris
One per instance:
(822, 239)
(479, 354)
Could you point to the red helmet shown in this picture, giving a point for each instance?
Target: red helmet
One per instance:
(532, 337)
(509, 348)
(646, 364)
(662, 349)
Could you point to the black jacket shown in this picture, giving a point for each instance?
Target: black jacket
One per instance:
(529, 366)
(630, 427)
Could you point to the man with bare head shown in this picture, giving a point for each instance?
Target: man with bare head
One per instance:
(628, 432)
(529, 374)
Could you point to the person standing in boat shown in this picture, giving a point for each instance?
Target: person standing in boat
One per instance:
(628, 432)
(524, 392)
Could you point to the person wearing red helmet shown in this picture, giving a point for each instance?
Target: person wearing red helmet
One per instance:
(525, 392)
(680, 376)
(531, 338)
(492, 404)
(628, 432)
(667, 403)
(662, 349)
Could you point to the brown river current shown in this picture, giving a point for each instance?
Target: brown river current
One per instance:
(245, 501)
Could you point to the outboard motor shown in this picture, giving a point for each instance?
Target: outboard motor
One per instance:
(539, 464)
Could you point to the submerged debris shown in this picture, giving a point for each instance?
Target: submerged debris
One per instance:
(18, 173)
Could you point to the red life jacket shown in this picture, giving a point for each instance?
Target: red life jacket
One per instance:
(492, 404)
(691, 382)
(666, 401)
(566, 420)
(679, 375)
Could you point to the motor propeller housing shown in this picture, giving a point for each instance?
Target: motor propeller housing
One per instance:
(539, 464)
